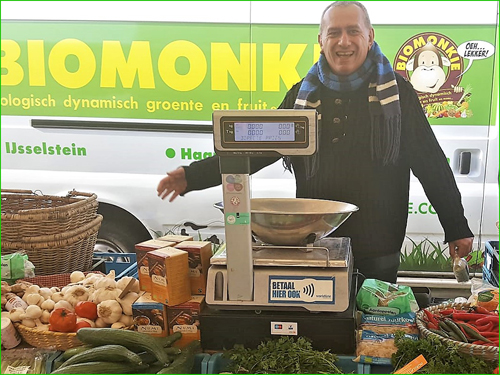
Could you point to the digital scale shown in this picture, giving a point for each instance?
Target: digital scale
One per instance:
(257, 290)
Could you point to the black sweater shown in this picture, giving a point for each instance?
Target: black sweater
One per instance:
(347, 172)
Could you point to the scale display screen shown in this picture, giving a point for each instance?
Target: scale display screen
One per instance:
(264, 131)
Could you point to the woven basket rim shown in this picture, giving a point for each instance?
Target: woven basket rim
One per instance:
(36, 212)
(20, 326)
(51, 240)
(470, 347)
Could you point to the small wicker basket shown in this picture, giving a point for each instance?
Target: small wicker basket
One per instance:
(488, 353)
(26, 214)
(47, 339)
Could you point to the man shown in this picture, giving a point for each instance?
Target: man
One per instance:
(373, 132)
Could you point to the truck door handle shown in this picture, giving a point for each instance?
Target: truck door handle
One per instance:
(464, 162)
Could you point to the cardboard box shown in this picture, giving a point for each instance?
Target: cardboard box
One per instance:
(185, 318)
(169, 272)
(175, 238)
(141, 250)
(200, 253)
(150, 316)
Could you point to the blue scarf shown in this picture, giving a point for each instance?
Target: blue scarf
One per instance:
(383, 102)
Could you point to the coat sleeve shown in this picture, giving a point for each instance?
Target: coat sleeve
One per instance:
(429, 164)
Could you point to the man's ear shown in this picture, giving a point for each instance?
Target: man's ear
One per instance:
(371, 37)
(320, 41)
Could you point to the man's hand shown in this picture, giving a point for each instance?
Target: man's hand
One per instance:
(174, 183)
(461, 247)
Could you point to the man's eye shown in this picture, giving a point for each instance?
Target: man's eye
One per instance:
(354, 32)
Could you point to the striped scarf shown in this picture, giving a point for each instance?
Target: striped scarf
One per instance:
(383, 102)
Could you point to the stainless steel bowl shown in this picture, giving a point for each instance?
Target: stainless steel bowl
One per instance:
(296, 221)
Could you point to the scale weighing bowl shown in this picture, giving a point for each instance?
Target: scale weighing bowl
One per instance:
(295, 221)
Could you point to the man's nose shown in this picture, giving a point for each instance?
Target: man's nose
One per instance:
(344, 39)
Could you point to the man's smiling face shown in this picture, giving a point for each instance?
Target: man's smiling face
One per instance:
(345, 38)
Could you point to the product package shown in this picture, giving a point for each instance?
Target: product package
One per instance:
(382, 298)
(150, 316)
(141, 250)
(405, 322)
(185, 318)
(199, 253)
(16, 266)
(169, 272)
(377, 348)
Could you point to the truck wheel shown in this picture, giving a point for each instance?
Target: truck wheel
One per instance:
(119, 231)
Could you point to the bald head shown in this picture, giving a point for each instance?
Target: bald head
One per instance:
(336, 4)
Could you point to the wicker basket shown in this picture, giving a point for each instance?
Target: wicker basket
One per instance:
(49, 281)
(27, 214)
(48, 339)
(59, 253)
(488, 353)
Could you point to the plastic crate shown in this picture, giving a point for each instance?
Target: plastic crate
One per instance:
(490, 265)
(218, 364)
(124, 264)
(200, 363)
(377, 369)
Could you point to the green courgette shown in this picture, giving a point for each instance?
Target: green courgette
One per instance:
(147, 357)
(184, 361)
(76, 350)
(169, 340)
(100, 368)
(128, 339)
(116, 353)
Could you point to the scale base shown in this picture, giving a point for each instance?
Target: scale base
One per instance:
(334, 331)
(298, 284)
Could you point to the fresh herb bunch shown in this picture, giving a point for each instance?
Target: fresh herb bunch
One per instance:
(282, 356)
(441, 358)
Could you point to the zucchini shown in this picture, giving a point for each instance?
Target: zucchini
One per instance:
(169, 340)
(128, 339)
(147, 357)
(184, 362)
(76, 350)
(116, 353)
(99, 368)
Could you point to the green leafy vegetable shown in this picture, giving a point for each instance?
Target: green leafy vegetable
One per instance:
(441, 358)
(282, 356)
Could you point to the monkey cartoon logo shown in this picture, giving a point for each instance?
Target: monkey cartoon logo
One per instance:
(427, 66)
(433, 65)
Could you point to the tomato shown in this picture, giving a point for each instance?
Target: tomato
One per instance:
(86, 309)
(82, 324)
(62, 320)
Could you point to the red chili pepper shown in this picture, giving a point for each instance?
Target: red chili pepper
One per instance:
(431, 325)
(495, 371)
(479, 342)
(482, 310)
(430, 317)
(486, 319)
(447, 311)
(467, 316)
(485, 328)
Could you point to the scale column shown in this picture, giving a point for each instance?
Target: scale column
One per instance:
(237, 224)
